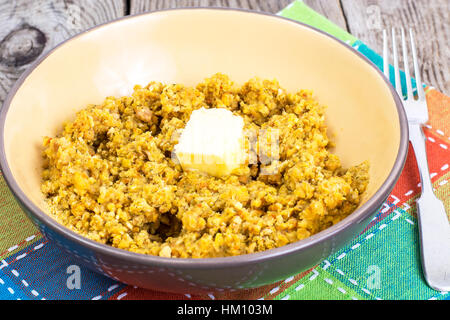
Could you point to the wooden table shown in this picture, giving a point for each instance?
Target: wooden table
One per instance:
(29, 28)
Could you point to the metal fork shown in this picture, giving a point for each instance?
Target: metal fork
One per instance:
(434, 227)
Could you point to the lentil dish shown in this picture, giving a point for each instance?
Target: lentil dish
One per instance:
(109, 175)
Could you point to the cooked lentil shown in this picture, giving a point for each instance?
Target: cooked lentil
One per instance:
(110, 177)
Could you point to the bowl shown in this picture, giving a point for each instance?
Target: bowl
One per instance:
(364, 117)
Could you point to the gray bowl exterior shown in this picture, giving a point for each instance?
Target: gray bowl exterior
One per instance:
(210, 274)
(197, 279)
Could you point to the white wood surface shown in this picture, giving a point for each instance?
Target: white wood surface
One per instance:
(29, 28)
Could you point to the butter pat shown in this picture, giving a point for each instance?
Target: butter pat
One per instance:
(212, 142)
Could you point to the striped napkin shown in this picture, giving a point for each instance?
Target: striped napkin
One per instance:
(383, 262)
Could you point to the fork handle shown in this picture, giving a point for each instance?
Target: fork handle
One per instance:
(417, 139)
(434, 227)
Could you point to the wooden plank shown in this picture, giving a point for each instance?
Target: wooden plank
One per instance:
(329, 8)
(273, 6)
(30, 28)
(429, 20)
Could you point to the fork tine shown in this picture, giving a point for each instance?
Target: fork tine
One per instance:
(385, 55)
(420, 92)
(398, 84)
(405, 62)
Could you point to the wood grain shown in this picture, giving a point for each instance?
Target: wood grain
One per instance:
(331, 9)
(137, 6)
(328, 8)
(429, 20)
(30, 28)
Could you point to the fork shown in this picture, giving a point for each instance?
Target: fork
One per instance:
(434, 227)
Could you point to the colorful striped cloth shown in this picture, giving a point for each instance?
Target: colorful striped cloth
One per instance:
(383, 262)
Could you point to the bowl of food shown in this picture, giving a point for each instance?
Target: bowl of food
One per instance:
(195, 150)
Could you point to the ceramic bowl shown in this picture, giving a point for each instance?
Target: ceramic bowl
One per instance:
(364, 116)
